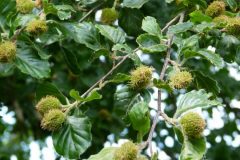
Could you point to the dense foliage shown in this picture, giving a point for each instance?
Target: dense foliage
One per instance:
(81, 70)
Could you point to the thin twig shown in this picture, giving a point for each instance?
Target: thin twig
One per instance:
(105, 76)
(170, 23)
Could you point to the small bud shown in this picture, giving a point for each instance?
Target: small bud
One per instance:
(7, 51)
(221, 20)
(36, 27)
(24, 6)
(233, 26)
(109, 15)
(192, 125)
(215, 9)
(48, 103)
(180, 79)
(38, 3)
(141, 77)
(53, 120)
(128, 151)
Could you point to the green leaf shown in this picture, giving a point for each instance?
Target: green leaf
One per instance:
(73, 138)
(179, 134)
(179, 28)
(214, 58)
(123, 96)
(120, 78)
(200, 81)
(31, 65)
(46, 88)
(161, 85)
(194, 99)
(150, 25)
(203, 27)
(198, 17)
(105, 154)
(92, 96)
(84, 33)
(75, 94)
(232, 4)
(140, 117)
(116, 35)
(150, 43)
(193, 149)
(134, 3)
(124, 48)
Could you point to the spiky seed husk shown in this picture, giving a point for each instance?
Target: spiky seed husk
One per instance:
(233, 26)
(180, 79)
(8, 51)
(48, 103)
(53, 120)
(192, 125)
(109, 15)
(215, 9)
(37, 27)
(128, 151)
(141, 77)
(221, 20)
(24, 6)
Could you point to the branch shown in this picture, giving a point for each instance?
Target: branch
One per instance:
(159, 108)
(105, 76)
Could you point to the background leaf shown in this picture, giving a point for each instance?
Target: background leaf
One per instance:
(134, 3)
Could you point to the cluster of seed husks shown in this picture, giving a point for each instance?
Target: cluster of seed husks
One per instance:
(50, 108)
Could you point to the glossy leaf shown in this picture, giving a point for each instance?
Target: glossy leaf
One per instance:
(84, 33)
(140, 117)
(73, 138)
(116, 35)
(31, 65)
(194, 99)
(214, 58)
(193, 149)
(151, 44)
(179, 28)
(150, 25)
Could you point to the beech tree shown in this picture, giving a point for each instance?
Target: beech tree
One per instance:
(81, 70)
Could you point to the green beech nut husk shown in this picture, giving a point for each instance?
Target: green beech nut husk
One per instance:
(233, 26)
(128, 151)
(24, 6)
(48, 103)
(36, 27)
(221, 20)
(180, 79)
(140, 77)
(8, 51)
(53, 120)
(192, 125)
(215, 9)
(109, 15)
